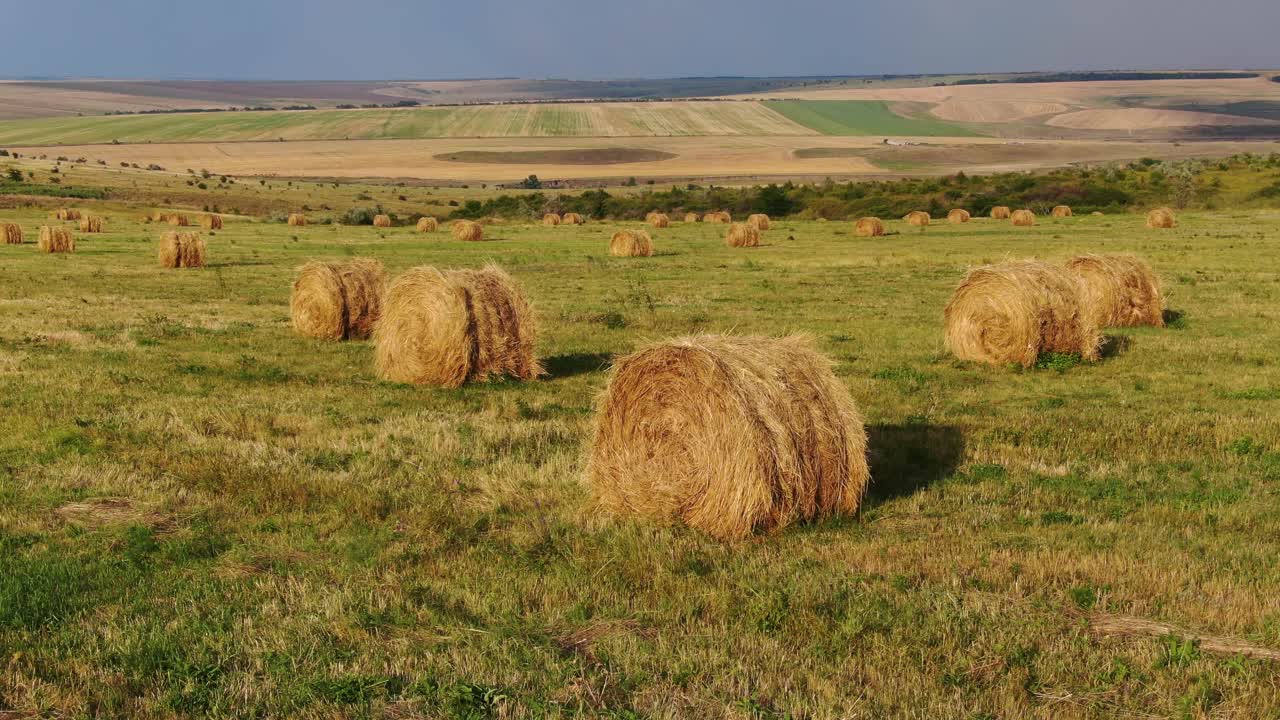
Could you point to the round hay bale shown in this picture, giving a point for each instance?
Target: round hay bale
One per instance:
(868, 227)
(958, 216)
(658, 220)
(572, 219)
(1119, 290)
(156, 216)
(453, 327)
(467, 230)
(1000, 212)
(1023, 218)
(631, 243)
(56, 239)
(211, 222)
(1014, 311)
(1097, 213)
(90, 224)
(759, 221)
(742, 235)
(337, 300)
(177, 220)
(1161, 218)
(918, 218)
(1061, 211)
(382, 221)
(728, 435)
(297, 219)
(12, 233)
(427, 224)
(182, 250)
(691, 217)
(67, 214)
(720, 217)
(551, 219)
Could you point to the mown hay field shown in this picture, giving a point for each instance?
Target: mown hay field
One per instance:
(203, 513)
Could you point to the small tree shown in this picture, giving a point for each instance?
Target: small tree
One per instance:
(15, 175)
(532, 183)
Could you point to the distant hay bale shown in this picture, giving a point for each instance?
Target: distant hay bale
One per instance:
(691, 217)
(177, 220)
(658, 220)
(1023, 218)
(337, 300)
(427, 224)
(453, 327)
(56, 239)
(211, 222)
(1119, 290)
(1097, 213)
(759, 221)
(720, 217)
(90, 224)
(1061, 211)
(182, 250)
(12, 233)
(156, 216)
(467, 230)
(918, 218)
(1161, 218)
(868, 227)
(1000, 212)
(382, 221)
(551, 219)
(958, 216)
(67, 214)
(631, 243)
(742, 235)
(728, 435)
(1014, 311)
(297, 219)
(572, 219)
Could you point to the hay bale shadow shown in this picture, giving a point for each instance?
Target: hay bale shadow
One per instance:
(570, 364)
(1114, 345)
(906, 458)
(1173, 317)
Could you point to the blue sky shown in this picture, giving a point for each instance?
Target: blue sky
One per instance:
(587, 39)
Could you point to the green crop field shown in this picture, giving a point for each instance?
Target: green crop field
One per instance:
(861, 117)
(203, 514)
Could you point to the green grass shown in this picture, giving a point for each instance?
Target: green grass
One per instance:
(202, 514)
(862, 117)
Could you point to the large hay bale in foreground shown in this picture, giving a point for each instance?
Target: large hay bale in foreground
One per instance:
(729, 435)
(1161, 218)
(177, 220)
(338, 300)
(918, 218)
(67, 214)
(467, 230)
(759, 221)
(211, 222)
(382, 221)
(868, 227)
(56, 239)
(742, 235)
(90, 224)
(1000, 212)
(631, 243)
(720, 217)
(658, 220)
(691, 217)
(1061, 211)
(1023, 218)
(1014, 311)
(1119, 290)
(12, 233)
(551, 219)
(958, 216)
(182, 250)
(572, 219)
(453, 327)
(297, 219)
(427, 224)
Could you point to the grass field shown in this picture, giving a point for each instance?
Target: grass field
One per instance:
(203, 514)
(862, 117)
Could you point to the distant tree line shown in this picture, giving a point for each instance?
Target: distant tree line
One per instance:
(1100, 76)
